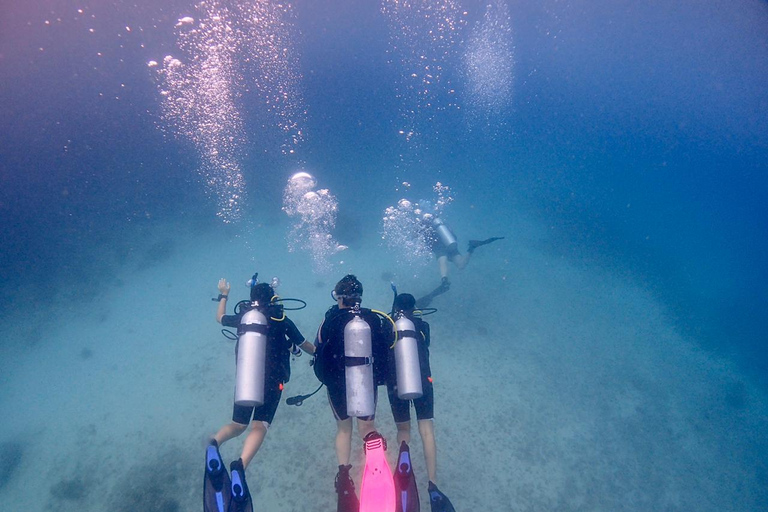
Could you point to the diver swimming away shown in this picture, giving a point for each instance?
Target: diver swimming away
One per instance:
(350, 359)
(265, 339)
(445, 247)
(410, 381)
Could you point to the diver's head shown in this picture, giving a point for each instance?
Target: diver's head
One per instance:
(262, 293)
(349, 290)
(404, 302)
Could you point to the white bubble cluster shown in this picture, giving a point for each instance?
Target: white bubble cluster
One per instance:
(298, 185)
(443, 197)
(488, 64)
(228, 51)
(404, 234)
(269, 53)
(314, 217)
(423, 36)
(198, 102)
(405, 227)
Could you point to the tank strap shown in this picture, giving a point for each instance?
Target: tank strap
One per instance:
(407, 334)
(259, 328)
(357, 361)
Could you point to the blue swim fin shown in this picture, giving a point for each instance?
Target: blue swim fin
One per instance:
(216, 483)
(438, 500)
(241, 496)
(406, 492)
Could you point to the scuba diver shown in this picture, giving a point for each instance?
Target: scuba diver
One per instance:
(444, 246)
(265, 339)
(350, 359)
(410, 380)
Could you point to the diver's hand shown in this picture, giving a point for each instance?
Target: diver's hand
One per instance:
(223, 286)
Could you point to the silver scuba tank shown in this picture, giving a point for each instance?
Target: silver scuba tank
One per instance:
(444, 234)
(251, 359)
(359, 368)
(407, 360)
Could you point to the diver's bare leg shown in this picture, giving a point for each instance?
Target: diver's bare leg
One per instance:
(229, 431)
(427, 432)
(343, 440)
(253, 441)
(442, 263)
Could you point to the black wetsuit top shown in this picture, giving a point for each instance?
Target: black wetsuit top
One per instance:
(282, 335)
(332, 334)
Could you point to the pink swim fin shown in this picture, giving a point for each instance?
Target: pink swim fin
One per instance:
(377, 492)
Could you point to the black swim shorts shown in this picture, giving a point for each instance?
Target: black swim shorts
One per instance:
(424, 405)
(242, 413)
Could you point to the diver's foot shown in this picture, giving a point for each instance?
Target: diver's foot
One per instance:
(345, 488)
(438, 500)
(423, 302)
(474, 244)
(426, 300)
(240, 490)
(213, 462)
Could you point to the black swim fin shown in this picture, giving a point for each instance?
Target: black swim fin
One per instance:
(438, 500)
(345, 488)
(216, 483)
(426, 300)
(406, 492)
(474, 244)
(241, 496)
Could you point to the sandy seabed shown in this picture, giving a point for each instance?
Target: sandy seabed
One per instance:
(558, 387)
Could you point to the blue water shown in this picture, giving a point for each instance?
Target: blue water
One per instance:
(636, 133)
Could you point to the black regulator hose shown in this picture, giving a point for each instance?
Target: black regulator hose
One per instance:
(299, 399)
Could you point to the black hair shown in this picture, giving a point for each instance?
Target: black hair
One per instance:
(262, 293)
(404, 302)
(349, 290)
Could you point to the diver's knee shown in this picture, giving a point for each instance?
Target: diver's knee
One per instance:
(344, 426)
(427, 427)
(261, 426)
(364, 428)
